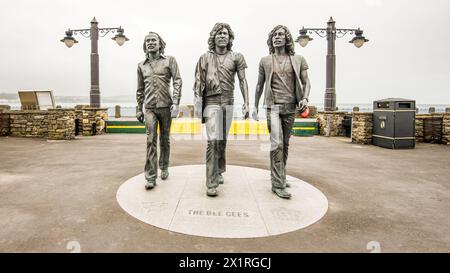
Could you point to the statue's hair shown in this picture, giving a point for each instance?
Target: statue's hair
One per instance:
(162, 44)
(290, 49)
(212, 35)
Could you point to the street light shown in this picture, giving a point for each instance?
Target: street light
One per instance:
(69, 40)
(331, 33)
(93, 33)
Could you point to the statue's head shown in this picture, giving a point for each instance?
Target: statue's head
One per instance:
(280, 36)
(154, 43)
(221, 36)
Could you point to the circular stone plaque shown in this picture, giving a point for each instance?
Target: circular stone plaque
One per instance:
(245, 207)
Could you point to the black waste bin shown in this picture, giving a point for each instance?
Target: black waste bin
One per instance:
(394, 123)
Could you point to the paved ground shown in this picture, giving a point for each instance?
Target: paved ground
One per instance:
(52, 193)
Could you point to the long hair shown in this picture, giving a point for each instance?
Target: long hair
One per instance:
(212, 35)
(290, 49)
(162, 44)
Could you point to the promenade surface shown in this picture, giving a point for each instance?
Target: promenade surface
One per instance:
(55, 192)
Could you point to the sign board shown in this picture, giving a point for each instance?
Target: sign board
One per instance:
(36, 99)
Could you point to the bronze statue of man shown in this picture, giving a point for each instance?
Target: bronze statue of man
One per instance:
(214, 98)
(156, 105)
(287, 87)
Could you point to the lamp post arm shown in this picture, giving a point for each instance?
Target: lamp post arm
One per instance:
(341, 32)
(104, 31)
(84, 32)
(109, 28)
(347, 29)
(321, 32)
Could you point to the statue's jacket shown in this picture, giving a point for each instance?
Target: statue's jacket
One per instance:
(153, 87)
(207, 80)
(265, 72)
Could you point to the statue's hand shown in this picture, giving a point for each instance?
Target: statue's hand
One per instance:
(255, 114)
(198, 105)
(302, 105)
(174, 110)
(140, 116)
(245, 111)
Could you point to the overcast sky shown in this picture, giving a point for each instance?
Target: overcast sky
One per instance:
(407, 55)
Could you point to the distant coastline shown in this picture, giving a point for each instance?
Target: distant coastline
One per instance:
(128, 104)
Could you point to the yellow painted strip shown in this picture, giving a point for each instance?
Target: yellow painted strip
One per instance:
(304, 128)
(124, 127)
(394, 138)
(247, 127)
(238, 127)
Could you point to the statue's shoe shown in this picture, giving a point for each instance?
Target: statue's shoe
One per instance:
(164, 174)
(282, 193)
(220, 179)
(211, 192)
(150, 185)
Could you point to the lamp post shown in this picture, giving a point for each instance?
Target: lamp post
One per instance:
(331, 33)
(93, 33)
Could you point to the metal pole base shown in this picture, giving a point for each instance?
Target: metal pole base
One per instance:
(330, 99)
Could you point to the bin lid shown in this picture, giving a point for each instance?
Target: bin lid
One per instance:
(393, 100)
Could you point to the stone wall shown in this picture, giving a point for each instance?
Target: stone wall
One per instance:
(92, 118)
(330, 123)
(28, 123)
(430, 128)
(52, 124)
(61, 123)
(419, 127)
(362, 127)
(446, 129)
(4, 124)
(58, 123)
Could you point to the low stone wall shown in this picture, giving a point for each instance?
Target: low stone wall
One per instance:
(330, 123)
(92, 118)
(430, 128)
(58, 123)
(446, 129)
(29, 123)
(4, 124)
(362, 127)
(53, 124)
(419, 127)
(61, 123)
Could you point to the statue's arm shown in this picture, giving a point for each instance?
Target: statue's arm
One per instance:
(140, 89)
(260, 84)
(177, 82)
(306, 83)
(243, 86)
(199, 85)
(200, 80)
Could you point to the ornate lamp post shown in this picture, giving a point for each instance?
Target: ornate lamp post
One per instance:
(93, 33)
(331, 33)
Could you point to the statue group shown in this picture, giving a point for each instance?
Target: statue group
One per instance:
(282, 77)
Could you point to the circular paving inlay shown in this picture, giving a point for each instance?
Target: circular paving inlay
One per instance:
(245, 207)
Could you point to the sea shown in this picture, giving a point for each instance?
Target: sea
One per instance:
(128, 109)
